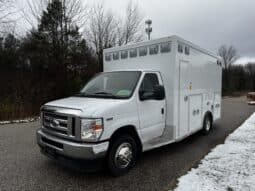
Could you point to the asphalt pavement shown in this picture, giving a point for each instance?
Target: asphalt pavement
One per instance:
(23, 167)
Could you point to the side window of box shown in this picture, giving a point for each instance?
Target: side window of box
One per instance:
(108, 57)
(133, 53)
(143, 51)
(124, 54)
(180, 48)
(116, 56)
(153, 49)
(187, 52)
(165, 47)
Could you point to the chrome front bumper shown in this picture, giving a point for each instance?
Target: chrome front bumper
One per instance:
(71, 149)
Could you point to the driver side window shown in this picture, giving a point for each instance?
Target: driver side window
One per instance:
(148, 83)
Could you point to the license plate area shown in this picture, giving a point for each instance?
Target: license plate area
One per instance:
(53, 143)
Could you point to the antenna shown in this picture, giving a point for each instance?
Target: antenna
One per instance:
(148, 30)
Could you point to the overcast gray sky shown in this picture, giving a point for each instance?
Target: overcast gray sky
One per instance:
(208, 23)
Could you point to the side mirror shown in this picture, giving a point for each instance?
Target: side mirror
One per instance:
(146, 95)
(157, 94)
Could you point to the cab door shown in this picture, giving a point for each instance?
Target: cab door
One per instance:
(152, 112)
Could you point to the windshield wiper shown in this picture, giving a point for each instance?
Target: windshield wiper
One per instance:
(96, 94)
(82, 95)
(106, 94)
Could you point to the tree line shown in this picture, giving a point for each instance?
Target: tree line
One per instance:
(61, 51)
(63, 48)
(235, 78)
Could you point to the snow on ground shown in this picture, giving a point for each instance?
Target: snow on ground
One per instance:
(27, 120)
(228, 167)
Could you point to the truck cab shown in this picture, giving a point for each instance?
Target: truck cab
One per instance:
(141, 101)
(112, 104)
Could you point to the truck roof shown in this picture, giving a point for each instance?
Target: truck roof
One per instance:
(160, 40)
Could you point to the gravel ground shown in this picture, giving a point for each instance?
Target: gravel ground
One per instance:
(22, 167)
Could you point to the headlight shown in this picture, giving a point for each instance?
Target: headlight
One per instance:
(91, 129)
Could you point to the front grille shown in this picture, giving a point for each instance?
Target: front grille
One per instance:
(60, 124)
(55, 122)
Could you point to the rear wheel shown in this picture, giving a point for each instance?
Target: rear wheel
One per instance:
(122, 155)
(207, 125)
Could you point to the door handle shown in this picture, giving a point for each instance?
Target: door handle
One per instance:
(186, 98)
(162, 111)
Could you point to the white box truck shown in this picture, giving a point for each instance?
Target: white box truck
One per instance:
(150, 94)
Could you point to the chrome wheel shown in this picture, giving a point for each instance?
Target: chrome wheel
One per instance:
(123, 155)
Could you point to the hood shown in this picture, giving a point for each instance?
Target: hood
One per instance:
(89, 107)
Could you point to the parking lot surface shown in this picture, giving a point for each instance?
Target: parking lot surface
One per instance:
(23, 167)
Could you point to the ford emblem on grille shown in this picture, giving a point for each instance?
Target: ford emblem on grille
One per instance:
(54, 123)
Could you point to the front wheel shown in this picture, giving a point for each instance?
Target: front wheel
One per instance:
(207, 125)
(122, 155)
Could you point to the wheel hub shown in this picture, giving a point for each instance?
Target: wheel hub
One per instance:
(208, 125)
(123, 155)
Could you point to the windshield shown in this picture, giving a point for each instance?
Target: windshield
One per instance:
(111, 85)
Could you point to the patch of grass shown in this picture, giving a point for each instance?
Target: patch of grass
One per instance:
(10, 109)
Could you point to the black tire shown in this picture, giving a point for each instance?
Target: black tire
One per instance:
(114, 158)
(207, 125)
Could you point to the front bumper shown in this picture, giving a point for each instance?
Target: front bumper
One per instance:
(69, 149)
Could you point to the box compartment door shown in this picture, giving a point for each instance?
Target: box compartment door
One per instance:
(184, 83)
(195, 112)
(217, 106)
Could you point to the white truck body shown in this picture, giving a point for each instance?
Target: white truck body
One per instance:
(191, 80)
(192, 84)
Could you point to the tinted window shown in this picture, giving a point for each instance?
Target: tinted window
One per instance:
(149, 82)
(143, 51)
(116, 56)
(133, 53)
(187, 50)
(124, 54)
(108, 57)
(153, 49)
(180, 48)
(165, 47)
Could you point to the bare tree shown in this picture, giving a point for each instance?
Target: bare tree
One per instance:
(101, 31)
(131, 29)
(7, 20)
(33, 10)
(5, 10)
(106, 29)
(75, 10)
(228, 55)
